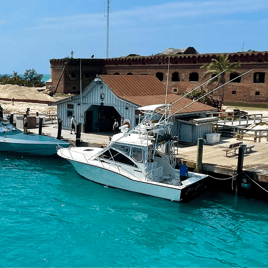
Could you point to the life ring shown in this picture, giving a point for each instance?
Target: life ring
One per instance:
(127, 122)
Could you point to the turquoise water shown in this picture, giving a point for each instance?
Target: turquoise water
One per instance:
(52, 217)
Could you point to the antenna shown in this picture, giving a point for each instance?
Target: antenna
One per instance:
(107, 37)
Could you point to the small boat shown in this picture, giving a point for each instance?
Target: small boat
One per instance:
(14, 140)
(135, 160)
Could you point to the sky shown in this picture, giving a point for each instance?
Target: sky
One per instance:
(34, 31)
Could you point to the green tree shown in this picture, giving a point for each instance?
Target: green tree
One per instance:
(15, 75)
(33, 77)
(216, 67)
(209, 100)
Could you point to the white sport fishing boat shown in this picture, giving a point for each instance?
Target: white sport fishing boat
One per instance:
(132, 161)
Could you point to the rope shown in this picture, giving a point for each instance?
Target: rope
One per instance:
(224, 179)
(232, 177)
(256, 183)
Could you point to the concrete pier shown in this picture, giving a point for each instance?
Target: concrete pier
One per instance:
(87, 139)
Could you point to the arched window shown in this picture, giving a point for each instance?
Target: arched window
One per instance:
(72, 76)
(194, 77)
(257, 93)
(234, 75)
(233, 92)
(160, 76)
(129, 73)
(259, 77)
(175, 90)
(116, 73)
(87, 75)
(175, 76)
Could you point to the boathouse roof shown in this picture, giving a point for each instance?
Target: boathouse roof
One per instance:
(145, 90)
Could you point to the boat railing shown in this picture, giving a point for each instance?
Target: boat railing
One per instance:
(71, 153)
(111, 162)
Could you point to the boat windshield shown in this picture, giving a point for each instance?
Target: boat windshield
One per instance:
(138, 154)
(116, 156)
(123, 148)
(6, 127)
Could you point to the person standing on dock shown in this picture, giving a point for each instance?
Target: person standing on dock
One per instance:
(115, 126)
(73, 124)
(183, 171)
(25, 124)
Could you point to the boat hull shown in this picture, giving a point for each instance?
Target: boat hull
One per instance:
(35, 149)
(113, 179)
(30, 144)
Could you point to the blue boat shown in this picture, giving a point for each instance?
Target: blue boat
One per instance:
(14, 140)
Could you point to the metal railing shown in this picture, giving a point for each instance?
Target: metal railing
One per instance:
(107, 161)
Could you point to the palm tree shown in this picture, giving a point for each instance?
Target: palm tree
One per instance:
(216, 67)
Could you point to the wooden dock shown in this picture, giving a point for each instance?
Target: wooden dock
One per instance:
(214, 156)
(216, 161)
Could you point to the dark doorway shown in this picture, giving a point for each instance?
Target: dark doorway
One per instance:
(101, 118)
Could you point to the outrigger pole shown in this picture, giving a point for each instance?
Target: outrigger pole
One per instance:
(167, 80)
(207, 94)
(167, 87)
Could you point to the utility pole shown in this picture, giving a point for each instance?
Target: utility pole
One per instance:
(107, 38)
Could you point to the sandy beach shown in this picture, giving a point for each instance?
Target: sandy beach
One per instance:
(21, 93)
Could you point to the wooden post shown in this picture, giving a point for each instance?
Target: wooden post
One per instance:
(267, 135)
(11, 119)
(200, 144)
(78, 134)
(255, 136)
(40, 125)
(240, 168)
(59, 128)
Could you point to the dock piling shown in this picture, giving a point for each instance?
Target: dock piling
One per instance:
(59, 128)
(78, 134)
(11, 119)
(240, 169)
(40, 125)
(200, 144)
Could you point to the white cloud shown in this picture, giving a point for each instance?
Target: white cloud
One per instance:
(192, 9)
(156, 14)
